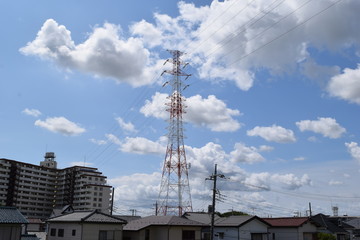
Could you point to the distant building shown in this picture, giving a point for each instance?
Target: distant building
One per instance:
(37, 190)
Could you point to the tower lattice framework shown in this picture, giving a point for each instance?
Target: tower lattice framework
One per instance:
(174, 196)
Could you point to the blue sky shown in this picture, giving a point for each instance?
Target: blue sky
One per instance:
(273, 98)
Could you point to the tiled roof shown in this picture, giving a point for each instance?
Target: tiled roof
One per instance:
(11, 215)
(35, 220)
(200, 217)
(29, 237)
(141, 223)
(88, 217)
(234, 221)
(328, 223)
(287, 221)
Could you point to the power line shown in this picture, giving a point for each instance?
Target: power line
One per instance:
(263, 31)
(283, 34)
(241, 10)
(233, 35)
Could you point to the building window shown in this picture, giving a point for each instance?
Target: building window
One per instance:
(53, 232)
(256, 236)
(221, 235)
(188, 235)
(73, 233)
(106, 235)
(60, 232)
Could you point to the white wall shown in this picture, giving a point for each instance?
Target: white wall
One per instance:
(293, 233)
(68, 227)
(91, 231)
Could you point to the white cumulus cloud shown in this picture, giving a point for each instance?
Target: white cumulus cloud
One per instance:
(209, 112)
(290, 181)
(31, 112)
(126, 126)
(246, 154)
(60, 125)
(105, 53)
(273, 133)
(328, 127)
(140, 145)
(346, 85)
(354, 149)
(226, 40)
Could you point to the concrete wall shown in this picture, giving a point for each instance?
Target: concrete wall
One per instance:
(10, 231)
(243, 232)
(291, 232)
(85, 231)
(91, 231)
(68, 228)
(162, 233)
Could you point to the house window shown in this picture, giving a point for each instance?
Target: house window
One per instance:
(220, 235)
(256, 236)
(73, 233)
(60, 232)
(188, 235)
(106, 235)
(53, 232)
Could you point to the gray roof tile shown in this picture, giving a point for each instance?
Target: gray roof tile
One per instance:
(141, 223)
(87, 216)
(11, 215)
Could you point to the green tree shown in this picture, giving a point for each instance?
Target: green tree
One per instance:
(325, 236)
(232, 213)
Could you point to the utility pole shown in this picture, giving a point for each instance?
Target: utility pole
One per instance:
(213, 178)
(174, 196)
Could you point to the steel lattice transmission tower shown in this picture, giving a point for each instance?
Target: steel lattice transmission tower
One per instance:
(174, 196)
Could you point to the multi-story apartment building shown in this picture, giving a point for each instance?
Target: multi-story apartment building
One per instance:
(37, 189)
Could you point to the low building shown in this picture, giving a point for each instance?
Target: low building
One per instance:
(241, 227)
(85, 225)
(333, 225)
(163, 228)
(296, 228)
(11, 223)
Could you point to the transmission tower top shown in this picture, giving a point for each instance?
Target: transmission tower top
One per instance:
(174, 196)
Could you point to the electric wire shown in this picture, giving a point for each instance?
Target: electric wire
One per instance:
(232, 35)
(283, 34)
(262, 32)
(138, 99)
(210, 24)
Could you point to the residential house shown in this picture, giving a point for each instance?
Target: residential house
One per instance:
(294, 228)
(241, 227)
(60, 211)
(163, 228)
(333, 225)
(85, 225)
(35, 227)
(202, 217)
(355, 223)
(11, 223)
